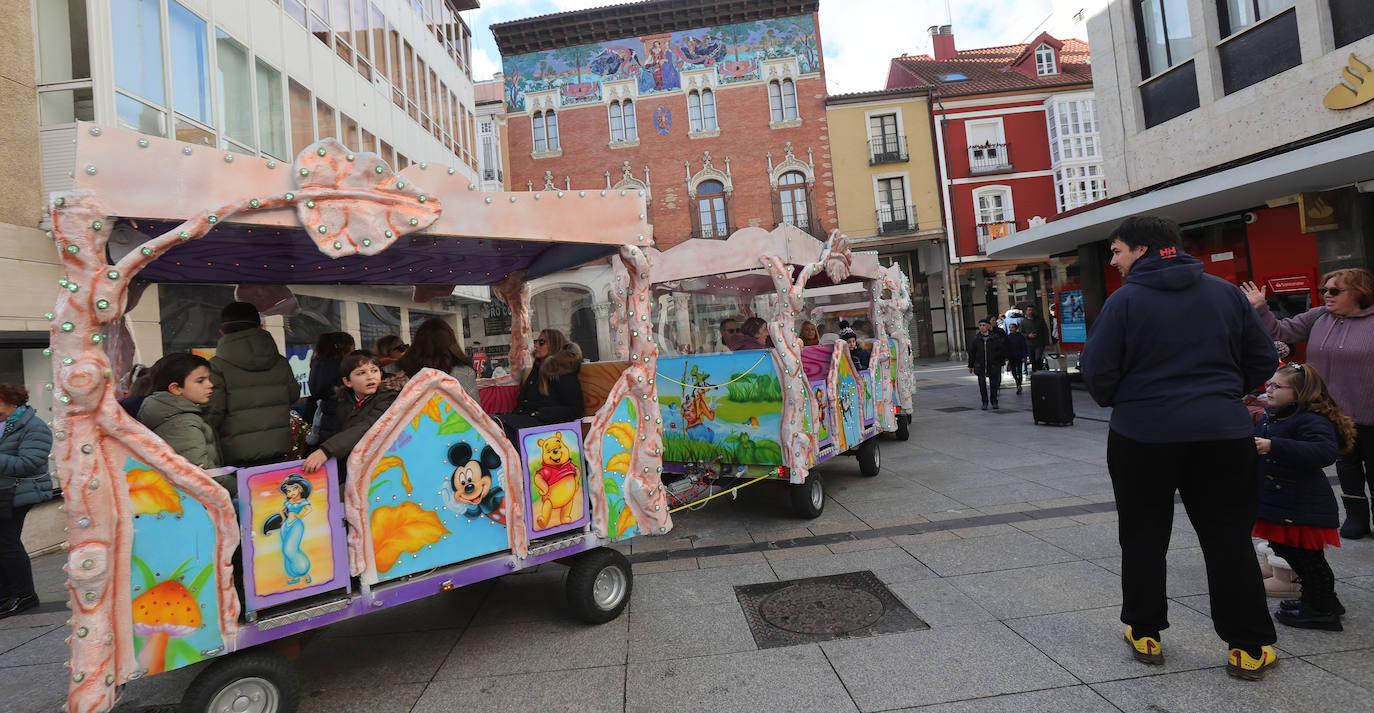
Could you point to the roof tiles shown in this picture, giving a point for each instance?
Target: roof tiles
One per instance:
(989, 70)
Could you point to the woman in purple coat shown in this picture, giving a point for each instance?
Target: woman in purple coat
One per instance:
(1340, 344)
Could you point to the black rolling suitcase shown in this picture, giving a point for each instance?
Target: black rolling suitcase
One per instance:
(1051, 400)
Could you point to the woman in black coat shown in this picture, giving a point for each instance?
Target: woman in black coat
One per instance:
(325, 380)
(550, 392)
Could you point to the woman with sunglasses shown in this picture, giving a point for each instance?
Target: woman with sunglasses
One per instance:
(550, 392)
(1340, 344)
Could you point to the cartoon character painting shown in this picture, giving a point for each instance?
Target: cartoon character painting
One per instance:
(472, 484)
(559, 483)
(291, 522)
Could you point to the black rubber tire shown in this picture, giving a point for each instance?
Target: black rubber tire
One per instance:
(263, 664)
(870, 458)
(808, 498)
(903, 431)
(585, 574)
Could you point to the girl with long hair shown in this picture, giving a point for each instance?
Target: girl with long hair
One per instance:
(1302, 432)
(435, 346)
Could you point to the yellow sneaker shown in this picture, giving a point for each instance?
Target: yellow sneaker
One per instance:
(1243, 665)
(1146, 649)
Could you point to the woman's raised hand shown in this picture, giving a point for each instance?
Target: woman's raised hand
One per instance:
(1254, 294)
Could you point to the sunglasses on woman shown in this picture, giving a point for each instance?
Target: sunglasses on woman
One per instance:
(541, 341)
(1333, 291)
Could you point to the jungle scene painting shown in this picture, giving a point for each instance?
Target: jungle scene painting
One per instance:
(437, 496)
(175, 605)
(725, 407)
(656, 62)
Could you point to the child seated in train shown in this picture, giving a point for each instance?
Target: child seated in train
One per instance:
(362, 401)
(181, 387)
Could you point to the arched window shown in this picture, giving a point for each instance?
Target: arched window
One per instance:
(544, 126)
(782, 100)
(711, 209)
(792, 198)
(622, 115)
(701, 110)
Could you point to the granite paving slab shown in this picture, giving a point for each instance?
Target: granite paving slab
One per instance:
(33, 689)
(1046, 589)
(986, 554)
(587, 690)
(695, 587)
(377, 698)
(941, 665)
(1008, 493)
(940, 603)
(361, 661)
(13, 638)
(1078, 699)
(50, 647)
(784, 680)
(1293, 685)
(1092, 645)
(890, 564)
(1085, 541)
(1358, 622)
(1355, 666)
(660, 634)
(499, 648)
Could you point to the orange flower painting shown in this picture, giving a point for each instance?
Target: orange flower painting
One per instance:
(403, 528)
(151, 493)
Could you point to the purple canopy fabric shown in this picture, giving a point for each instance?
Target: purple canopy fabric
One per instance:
(237, 253)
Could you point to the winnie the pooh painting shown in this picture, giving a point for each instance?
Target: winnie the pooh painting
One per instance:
(558, 482)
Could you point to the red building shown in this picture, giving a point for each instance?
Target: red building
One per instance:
(1016, 143)
(715, 110)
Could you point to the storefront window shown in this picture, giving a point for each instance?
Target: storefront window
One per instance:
(137, 33)
(190, 63)
(235, 89)
(375, 322)
(271, 119)
(190, 316)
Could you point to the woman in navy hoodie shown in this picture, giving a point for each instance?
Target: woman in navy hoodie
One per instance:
(1173, 352)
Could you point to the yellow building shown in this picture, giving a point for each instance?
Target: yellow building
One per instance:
(882, 160)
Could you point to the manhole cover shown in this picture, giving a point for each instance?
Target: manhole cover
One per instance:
(838, 606)
(821, 609)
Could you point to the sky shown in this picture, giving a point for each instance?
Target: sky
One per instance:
(859, 37)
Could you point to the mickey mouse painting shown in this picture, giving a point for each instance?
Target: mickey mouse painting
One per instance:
(472, 482)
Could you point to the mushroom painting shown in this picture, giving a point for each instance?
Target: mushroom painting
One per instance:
(164, 614)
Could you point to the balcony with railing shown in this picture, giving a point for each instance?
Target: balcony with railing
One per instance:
(492, 174)
(894, 219)
(712, 232)
(989, 158)
(888, 148)
(992, 231)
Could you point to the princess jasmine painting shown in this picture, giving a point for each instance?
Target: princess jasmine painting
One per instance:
(291, 522)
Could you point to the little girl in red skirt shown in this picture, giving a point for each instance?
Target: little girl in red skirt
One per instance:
(1301, 433)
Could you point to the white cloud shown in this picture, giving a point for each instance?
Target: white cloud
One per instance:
(859, 37)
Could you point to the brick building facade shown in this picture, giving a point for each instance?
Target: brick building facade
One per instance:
(716, 111)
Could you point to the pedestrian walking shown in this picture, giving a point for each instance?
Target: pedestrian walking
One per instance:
(1178, 425)
(1016, 353)
(987, 352)
(1303, 431)
(1340, 344)
(25, 442)
(1037, 337)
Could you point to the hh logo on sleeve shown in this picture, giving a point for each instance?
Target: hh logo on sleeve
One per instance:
(1168, 252)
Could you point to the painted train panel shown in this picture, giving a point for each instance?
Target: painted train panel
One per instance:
(721, 406)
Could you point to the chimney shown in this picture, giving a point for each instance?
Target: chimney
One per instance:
(942, 41)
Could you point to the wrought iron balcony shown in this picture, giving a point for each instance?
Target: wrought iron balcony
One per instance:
(894, 220)
(989, 158)
(992, 231)
(492, 174)
(888, 148)
(713, 232)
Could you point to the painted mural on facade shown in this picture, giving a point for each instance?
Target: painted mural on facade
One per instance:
(656, 62)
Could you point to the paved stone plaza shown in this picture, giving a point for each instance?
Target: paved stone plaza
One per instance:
(998, 534)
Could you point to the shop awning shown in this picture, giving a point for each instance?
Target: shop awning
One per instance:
(1340, 161)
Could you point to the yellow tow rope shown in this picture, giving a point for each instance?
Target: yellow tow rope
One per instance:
(723, 492)
(712, 386)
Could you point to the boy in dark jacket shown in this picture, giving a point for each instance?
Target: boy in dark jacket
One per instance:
(987, 352)
(1173, 351)
(1016, 352)
(254, 390)
(361, 402)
